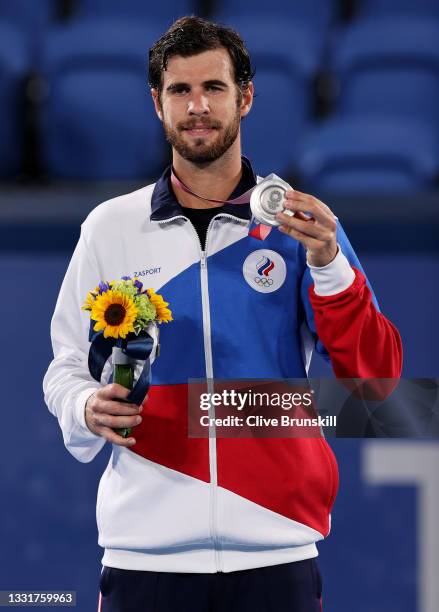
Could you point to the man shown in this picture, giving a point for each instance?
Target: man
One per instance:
(212, 524)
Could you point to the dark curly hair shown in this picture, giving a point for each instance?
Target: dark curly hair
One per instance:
(192, 35)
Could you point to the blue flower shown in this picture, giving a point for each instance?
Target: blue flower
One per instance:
(103, 287)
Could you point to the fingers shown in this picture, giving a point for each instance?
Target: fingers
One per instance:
(115, 407)
(296, 200)
(313, 232)
(300, 215)
(116, 422)
(308, 227)
(106, 400)
(103, 413)
(317, 233)
(115, 438)
(114, 391)
(307, 241)
(104, 424)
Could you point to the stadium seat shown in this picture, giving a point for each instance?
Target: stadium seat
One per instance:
(369, 155)
(380, 8)
(31, 18)
(389, 66)
(142, 10)
(14, 64)
(98, 119)
(286, 59)
(316, 14)
(27, 14)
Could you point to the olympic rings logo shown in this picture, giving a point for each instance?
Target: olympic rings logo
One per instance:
(264, 282)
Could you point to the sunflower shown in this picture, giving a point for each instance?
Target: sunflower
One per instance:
(89, 302)
(115, 313)
(164, 315)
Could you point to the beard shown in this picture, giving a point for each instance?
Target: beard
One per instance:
(198, 152)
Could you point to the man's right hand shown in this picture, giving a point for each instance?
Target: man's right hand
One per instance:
(104, 412)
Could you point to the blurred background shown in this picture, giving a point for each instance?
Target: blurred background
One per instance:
(347, 108)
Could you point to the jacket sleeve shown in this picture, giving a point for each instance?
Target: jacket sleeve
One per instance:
(68, 383)
(360, 341)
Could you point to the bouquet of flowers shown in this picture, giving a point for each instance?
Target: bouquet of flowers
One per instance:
(122, 317)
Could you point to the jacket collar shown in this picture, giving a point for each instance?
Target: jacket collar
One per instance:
(164, 204)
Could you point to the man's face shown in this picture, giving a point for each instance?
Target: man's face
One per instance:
(201, 106)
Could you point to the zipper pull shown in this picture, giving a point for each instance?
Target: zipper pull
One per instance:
(203, 259)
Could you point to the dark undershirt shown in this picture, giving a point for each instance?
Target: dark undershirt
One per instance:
(200, 219)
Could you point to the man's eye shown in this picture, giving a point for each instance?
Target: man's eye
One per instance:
(214, 88)
(180, 90)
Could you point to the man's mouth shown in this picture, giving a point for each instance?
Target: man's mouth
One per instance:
(199, 129)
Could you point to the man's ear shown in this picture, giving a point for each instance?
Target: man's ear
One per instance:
(247, 99)
(157, 105)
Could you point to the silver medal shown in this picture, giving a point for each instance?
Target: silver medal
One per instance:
(267, 199)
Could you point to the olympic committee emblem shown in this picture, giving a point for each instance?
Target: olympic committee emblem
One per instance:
(264, 270)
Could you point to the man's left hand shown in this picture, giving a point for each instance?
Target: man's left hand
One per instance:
(317, 232)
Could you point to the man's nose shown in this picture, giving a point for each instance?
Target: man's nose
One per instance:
(198, 105)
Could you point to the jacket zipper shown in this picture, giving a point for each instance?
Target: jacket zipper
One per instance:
(210, 387)
(213, 466)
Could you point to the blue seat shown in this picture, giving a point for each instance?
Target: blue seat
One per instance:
(14, 65)
(98, 119)
(369, 155)
(26, 14)
(380, 8)
(316, 14)
(389, 66)
(32, 18)
(286, 59)
(165, 12)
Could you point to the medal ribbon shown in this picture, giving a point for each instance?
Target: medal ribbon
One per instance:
(258, 231)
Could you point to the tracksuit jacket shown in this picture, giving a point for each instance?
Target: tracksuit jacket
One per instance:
(242, 308)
